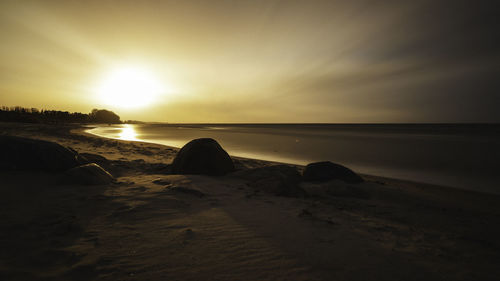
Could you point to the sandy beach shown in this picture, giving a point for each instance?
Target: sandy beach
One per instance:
(154, 225)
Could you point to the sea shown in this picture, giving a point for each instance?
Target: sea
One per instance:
(463, 156)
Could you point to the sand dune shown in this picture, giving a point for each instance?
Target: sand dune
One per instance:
(151, 225)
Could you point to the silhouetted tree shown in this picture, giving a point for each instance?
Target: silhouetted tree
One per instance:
(104, 116)
(33, 115)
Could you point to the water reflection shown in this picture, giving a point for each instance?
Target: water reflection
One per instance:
(369, 149)
(127, 133)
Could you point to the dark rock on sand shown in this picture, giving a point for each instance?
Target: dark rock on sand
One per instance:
(157, 168)
(87, 158)
(202, 156)
(93, 158)
(89, 174)
(161, 182)
(335, 189)
(281, 180)
(17, 153)
(325, 171)
(186, 190)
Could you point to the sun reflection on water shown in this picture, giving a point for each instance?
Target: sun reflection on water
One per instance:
(127, 133)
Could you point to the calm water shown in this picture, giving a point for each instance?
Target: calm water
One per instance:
(464, 156)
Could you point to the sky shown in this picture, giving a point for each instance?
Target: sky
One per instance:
(257, 61)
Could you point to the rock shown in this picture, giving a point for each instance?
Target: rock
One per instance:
(17, 153)
(93, 158)
(87, 158)
(89, 174)
(161, 182)
(281, 180)
(325, 171)
(187, 190)
(157, 168)
(334, 188)
(202, 156)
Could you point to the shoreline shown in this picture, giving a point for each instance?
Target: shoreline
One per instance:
(81, 129)
(152, 225)
(373, 177)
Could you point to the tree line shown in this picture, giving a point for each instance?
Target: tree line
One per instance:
(33, 115)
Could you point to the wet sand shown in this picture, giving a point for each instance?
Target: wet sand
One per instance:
(155, 226)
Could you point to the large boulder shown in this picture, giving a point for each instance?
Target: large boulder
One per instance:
(281, 180)
(17, 153)
(325, 171)
(202, 156)
(89, 174)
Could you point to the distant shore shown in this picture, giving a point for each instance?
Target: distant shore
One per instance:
(154, 225)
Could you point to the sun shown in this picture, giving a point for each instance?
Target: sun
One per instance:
(129, 87)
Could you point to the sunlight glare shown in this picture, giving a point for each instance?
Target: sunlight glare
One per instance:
(128, 133)
(129, 87)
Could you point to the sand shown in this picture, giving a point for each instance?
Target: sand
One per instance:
(154, 226)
